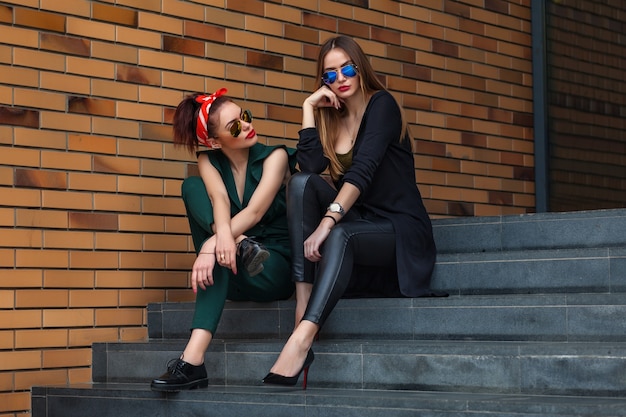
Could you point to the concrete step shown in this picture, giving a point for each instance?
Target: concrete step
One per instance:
(131, 400)
(551, 317)
(542, 231)
(597, 270)
(532, 368)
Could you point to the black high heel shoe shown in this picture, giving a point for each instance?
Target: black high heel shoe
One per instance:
(276, 379)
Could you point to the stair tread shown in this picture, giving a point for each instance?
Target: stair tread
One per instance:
(366, 402)
(374, 345)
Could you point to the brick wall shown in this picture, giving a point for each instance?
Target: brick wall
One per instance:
(587, 104)
(91, 224)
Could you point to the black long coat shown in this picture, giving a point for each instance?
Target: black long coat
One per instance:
(383, 170)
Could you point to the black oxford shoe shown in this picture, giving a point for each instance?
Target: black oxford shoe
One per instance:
(181, 375)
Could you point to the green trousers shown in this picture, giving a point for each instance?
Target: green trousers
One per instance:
(273, 283)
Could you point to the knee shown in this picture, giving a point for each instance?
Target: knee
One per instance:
(339, 236)
(297, 182)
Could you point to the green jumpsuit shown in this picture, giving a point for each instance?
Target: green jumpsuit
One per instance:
(274, 282)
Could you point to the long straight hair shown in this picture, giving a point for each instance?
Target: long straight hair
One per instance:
(328, 119)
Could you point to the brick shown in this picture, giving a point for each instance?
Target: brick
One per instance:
(141, 185)
(281, 12)
(160, 23)
(180, 296)
(85, 105)
(119, 317)
(314, 20)
(116, 165)
(166, 279)
(179, 261)
(74, 317)
(40, 178)
(86, 337)
(144, 149)
(7, 257)
(124, 128)
(56, 358)
(114, 14)
(6, 381)
(162, 97)
(6, 14)
(40, 140)
(142, 260)
(134, 334)
(91, 182)
(47, 338)
(93, 298)
(64, 122)
(7, 300)
(177, 225)
(284, 47)
(79, 375)
(119, 241)
(18, 36)
(91, 144)
(223, 52)
(140, 298)
(19, 117)
(21, 238)
(41, 298)
(90, 29)
(66, 199)
(26, 258)
(161, 133)
(138, 223)
(68, 278)
(354, 29)
(165, 243)
(137, 75)
(65, 44)
(21, 278)
(90, 260)
(39, 59)
(114, 52)
(18, 401)
(25, 380)
(138, 111)
(119, 279)
(250, 7)
(38, 218)
(182, 46)
(158, 59)
(67, 239)
(19, 360)
(117, 202)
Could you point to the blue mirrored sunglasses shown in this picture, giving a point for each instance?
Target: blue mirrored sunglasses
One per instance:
(349, 71)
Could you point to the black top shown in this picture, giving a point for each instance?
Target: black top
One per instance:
(383, 170)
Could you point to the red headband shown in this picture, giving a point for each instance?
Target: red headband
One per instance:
(203, 115)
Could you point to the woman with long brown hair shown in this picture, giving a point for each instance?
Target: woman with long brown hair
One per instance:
(369, 235)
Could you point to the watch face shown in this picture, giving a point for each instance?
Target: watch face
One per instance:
(334, 207)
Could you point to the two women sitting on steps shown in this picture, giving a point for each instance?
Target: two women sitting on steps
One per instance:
(365, 235)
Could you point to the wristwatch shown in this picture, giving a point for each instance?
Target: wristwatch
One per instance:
(336, 208)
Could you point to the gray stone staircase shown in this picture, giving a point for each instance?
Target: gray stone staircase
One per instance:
(534, 326)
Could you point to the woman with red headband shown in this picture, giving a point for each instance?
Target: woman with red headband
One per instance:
(237, 216)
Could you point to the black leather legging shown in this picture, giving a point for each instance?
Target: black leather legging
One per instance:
(357, 239)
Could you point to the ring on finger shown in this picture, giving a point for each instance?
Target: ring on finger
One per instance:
(222, 257)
